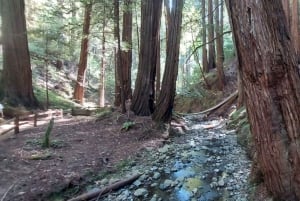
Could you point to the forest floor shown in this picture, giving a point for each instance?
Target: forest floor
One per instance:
(80, 148)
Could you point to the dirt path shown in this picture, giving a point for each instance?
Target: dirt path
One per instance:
(81, 147)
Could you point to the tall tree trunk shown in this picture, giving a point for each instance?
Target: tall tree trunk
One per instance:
(17, 77)
(103, 65)
(221, 29)
(204, 50)
(271, 82)
(79, 88)
(219, 55)
(164, 107)
(127, 48)
(211, 46)
(120, 92)
(294, 26)
(144, 93)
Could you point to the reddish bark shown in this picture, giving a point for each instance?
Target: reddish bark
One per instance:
(79, 87)
(144, 93)
(17, 77)
(164, 107)
(272, 91)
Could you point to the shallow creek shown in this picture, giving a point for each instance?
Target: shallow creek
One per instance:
(204, 164)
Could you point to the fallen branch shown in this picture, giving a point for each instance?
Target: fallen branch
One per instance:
(231, 98)
(3, 197)
(112, 187)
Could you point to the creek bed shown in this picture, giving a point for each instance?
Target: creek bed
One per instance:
(204, 164)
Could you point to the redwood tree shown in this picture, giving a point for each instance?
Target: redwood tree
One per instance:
(219, 53)
(79, 87)
(204, 49)
(144, 93)
(126, 51)
(17, 77)
(210, 29)
(271, 81)
(164, 107)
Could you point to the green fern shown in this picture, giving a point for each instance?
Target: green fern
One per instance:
(127, 125)
(46, 141)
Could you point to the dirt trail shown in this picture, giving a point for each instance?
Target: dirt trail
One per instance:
(81, 146)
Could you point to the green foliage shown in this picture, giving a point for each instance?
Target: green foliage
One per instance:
(55, 100)
(46, 140)
(127, 125)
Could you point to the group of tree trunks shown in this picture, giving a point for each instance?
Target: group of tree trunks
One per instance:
(267, 48)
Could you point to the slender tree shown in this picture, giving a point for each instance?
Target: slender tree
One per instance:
(126, 51)
(119, 75)
(164, 107)
(17, 77)
(144, 93)
(211, 46)
(219, 53)
(102, 62)
(204, 50)
(271, 81)
(79, 87)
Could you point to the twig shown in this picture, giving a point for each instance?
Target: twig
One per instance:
(3, 197)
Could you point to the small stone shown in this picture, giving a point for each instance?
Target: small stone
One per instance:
(221, 183)
(140, 192)
(156, 175)
(137, 183)
(167, 183)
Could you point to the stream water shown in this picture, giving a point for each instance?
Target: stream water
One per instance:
(206, 164)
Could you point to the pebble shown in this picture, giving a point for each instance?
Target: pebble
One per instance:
(140, 192)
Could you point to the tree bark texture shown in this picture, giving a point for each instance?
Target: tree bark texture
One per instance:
(127, 48)
(204, 49)
(219, 55)
(79, 87)
(120, 90)
(164, 107)
(210, 29)
(294, 25)
(286, 8)
(144, 93)
(272, 91)
(17, 77)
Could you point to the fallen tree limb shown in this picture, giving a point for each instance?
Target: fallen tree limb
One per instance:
(112, 187)
(229, 99)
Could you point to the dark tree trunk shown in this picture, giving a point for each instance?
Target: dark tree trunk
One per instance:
(17, 77)
(144, 93)
(79, 88)
(271, 82)
(120, 90)
(211, 46)
(204, 50)
(219, 55)
(164, 107)
(127, 48)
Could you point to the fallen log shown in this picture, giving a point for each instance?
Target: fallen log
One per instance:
(112, 187)
(228, 100)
